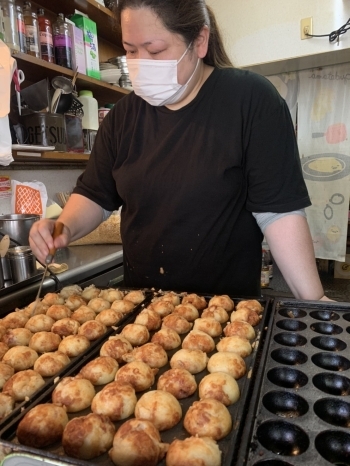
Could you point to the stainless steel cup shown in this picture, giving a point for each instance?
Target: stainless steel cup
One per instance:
(22, 263)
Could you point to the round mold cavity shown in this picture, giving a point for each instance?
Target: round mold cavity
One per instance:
(330, 361)
(287, 377)
(333, 411)
(328, 343)
(333, 384)
(346, 317)
(334, 446)
(326, 328)
(272, 463)
(325, 315)
(290, 339)
(348, 329)
(291, 325)
(291, 357)
(283, 438)
(292, 312)
(285, 404)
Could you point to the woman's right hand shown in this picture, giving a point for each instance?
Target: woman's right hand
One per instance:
(41, 240)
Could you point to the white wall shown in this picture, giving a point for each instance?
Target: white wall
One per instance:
(260, 31)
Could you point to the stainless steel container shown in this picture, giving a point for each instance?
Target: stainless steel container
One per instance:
(17, 226)
(6, 270)
(22, 263)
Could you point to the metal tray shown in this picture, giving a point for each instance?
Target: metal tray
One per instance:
(228, 445)
(300, 411)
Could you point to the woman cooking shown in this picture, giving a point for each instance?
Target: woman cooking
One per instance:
(203, 159)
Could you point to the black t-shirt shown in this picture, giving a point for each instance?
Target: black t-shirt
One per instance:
(189, 180)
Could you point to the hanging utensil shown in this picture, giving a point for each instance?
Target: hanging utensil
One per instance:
(18, 78)
(58, 228)
(4, 245)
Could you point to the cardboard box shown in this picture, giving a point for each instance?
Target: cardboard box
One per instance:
(78, 49)
(90, 43)
(342, 269)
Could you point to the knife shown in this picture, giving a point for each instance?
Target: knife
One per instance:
(57, 230)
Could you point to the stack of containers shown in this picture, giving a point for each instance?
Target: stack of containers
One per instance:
(124, 80)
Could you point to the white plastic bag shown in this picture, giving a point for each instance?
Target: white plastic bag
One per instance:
(28, 198)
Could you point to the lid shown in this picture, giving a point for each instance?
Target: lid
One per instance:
(87, 93)
(109, 106)
(19, 251)
(41, 11)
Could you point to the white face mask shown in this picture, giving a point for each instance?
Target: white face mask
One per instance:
(156, 80)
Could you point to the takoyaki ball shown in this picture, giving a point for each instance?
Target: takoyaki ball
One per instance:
(3, 330)
(150, 319)
(100, 370)
(136, 334)
(150, 353)
(243, 313)
(70, 290)
(222, 301)
(6, 371)
(17, 337)
(86, 437)
(3, 349)
(235, 344)
(198, 340)
(167, 338)
(83, 314)
(74, 393)
(115, 347)
(15, 319)
(44, 342)
(188, 311)
(92, 329)
(192, 360)
(7, 404)
(220, 386)
(179, 382)
(49, 364)
(90, 292)
(251, 304)
(40, 323)
(109, 317)
(23, 384)
(65, 327)
(216, 312)
(43, 425)
(194, 451)
(20, 357)
(99, 304)
(159, 407)
(74, 302)
(123, 305)
(135, 296)
(52, 298)
(111, 294)
(230, 363)
(163, 308)
(217, 419)
(36, 308)
(137, 442)
(240, 328)
(58, 311)
(198, 302)
(208, 325)
(73, 345)
(138, 374)
(177, 323)
(171, 297)
(116, 400)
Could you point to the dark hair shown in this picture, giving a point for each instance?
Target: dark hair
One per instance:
(186, 18)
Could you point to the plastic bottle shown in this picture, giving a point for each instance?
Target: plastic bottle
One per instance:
(21, 30)
(265, 271)
(32, 30)
(9, 21)
(90, 108)
(45, 37)
(62, 42)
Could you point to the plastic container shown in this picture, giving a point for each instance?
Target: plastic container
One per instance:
(103, 111)
(10, 29)
(45, 37)
(90, 107)
(62, 42)
(32, 30)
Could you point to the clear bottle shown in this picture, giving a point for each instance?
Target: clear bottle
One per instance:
(90, 108)
(21, 30)
(62, 42)
(32, 30)
(9, 24)
(265, 271)
(45, 37)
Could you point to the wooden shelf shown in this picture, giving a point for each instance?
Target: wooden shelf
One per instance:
(36, 69)
(52, 155)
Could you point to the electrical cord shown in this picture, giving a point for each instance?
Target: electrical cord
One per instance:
(334, 36)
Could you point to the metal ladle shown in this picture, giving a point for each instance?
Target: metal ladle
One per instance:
(62, 85)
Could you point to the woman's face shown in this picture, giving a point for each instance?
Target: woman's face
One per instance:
(145, 36)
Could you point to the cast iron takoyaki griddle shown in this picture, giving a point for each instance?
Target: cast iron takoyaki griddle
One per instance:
(301, 414)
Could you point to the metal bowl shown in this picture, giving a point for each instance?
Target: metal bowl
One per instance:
(17, 226)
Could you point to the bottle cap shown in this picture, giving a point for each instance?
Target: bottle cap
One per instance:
(88, 93)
